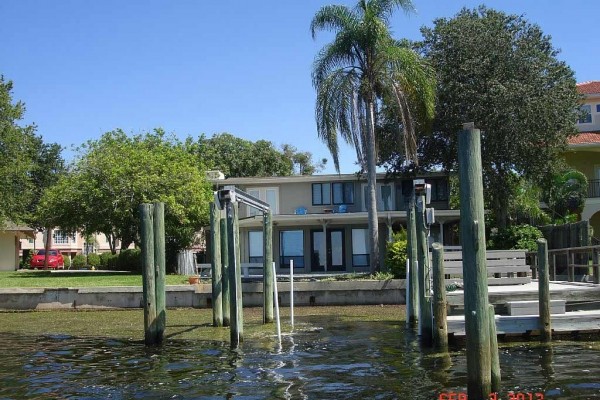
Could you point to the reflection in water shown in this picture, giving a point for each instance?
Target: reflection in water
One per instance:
(346, 360)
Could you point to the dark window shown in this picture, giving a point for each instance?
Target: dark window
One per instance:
(321, 194)
(598, 108)
(291, 247)
(343, 193)
(439, 189)
(587, 117)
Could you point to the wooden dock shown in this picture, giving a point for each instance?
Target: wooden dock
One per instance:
(582, 306)
(570, 322)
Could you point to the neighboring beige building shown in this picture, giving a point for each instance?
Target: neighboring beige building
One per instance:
(10, 243)
(584, 151)
(320, 221)
(69, 245)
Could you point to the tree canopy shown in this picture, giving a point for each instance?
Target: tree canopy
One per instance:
(116, 173)
(237, 157)
(27, 165)
(502, 73)
(17, 153)
(363, 72)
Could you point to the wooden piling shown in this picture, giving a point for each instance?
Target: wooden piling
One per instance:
(234, 268)
(238, 272)
(411, 233)
(472, 233)
(225, 272)
(216, 270)
(425, 316)
(596, 265)
(440, 330)
(496, 376)
(544, 291)
(160, 262)
(268, 267)
(149, 278)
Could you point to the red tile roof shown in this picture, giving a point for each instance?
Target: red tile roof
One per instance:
(589, 87)
(585, 138)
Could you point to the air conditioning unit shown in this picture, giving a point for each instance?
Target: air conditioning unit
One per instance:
(214, 175)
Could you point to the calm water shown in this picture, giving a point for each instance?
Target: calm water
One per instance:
(319, 361)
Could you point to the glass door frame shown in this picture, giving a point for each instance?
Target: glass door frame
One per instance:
(315, 264)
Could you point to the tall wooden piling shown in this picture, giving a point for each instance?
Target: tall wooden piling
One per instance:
(596, 263)
(238, 272)
(160, 262)
(495, 360)
(440, 327)
(149, 278)
(412, 311)
(216, 271)
(472, 234)
(233, 273)
(225, 272)
(235, 277)
(268, 267)
(425, 316)
(544, 291)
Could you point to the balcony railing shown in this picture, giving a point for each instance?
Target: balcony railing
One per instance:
(593, 188)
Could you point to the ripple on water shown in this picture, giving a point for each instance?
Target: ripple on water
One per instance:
(341, 361)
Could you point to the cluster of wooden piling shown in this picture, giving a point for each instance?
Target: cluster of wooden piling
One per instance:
(226, 298)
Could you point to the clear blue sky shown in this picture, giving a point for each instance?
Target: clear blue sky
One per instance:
(194, 66)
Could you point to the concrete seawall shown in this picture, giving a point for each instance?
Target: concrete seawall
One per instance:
(199, 296)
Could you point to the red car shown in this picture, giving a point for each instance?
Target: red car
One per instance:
(55, 259)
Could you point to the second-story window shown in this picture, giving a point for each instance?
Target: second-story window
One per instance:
(587, 117)
(343, 192)
(321, 194)
(439, 189)
(60, 237)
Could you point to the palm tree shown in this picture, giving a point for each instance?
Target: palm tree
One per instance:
(360, 73)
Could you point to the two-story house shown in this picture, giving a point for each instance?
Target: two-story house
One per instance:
(68, 244)
(584, 151)
(320, 221)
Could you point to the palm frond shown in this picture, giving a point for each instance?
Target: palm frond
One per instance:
(333, 17)
(336, 110)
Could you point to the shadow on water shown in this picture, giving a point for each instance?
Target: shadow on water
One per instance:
(323, 358)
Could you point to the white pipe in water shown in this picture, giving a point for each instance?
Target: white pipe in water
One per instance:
(276, 303)
(292, 292)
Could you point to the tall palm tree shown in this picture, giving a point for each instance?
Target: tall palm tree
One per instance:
(360, 73)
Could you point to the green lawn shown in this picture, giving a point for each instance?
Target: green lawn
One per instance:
(50, 279)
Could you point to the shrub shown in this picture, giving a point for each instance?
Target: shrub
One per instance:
(515, 237)
(79, 261)
(93, 260)
(395, 255)
(130, 260)
(108, 261)
(67, 262)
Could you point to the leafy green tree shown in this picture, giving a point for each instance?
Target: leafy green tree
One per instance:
(16, 157)
(237, 157)
(502, 73)
(113, 175)
(302, 161)
(567, 193)
(357, 76)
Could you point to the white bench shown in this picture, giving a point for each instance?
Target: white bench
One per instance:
(203, 269)
(504, 267)
(531, 307)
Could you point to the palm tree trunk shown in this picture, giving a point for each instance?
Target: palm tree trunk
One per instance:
(372, 189)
